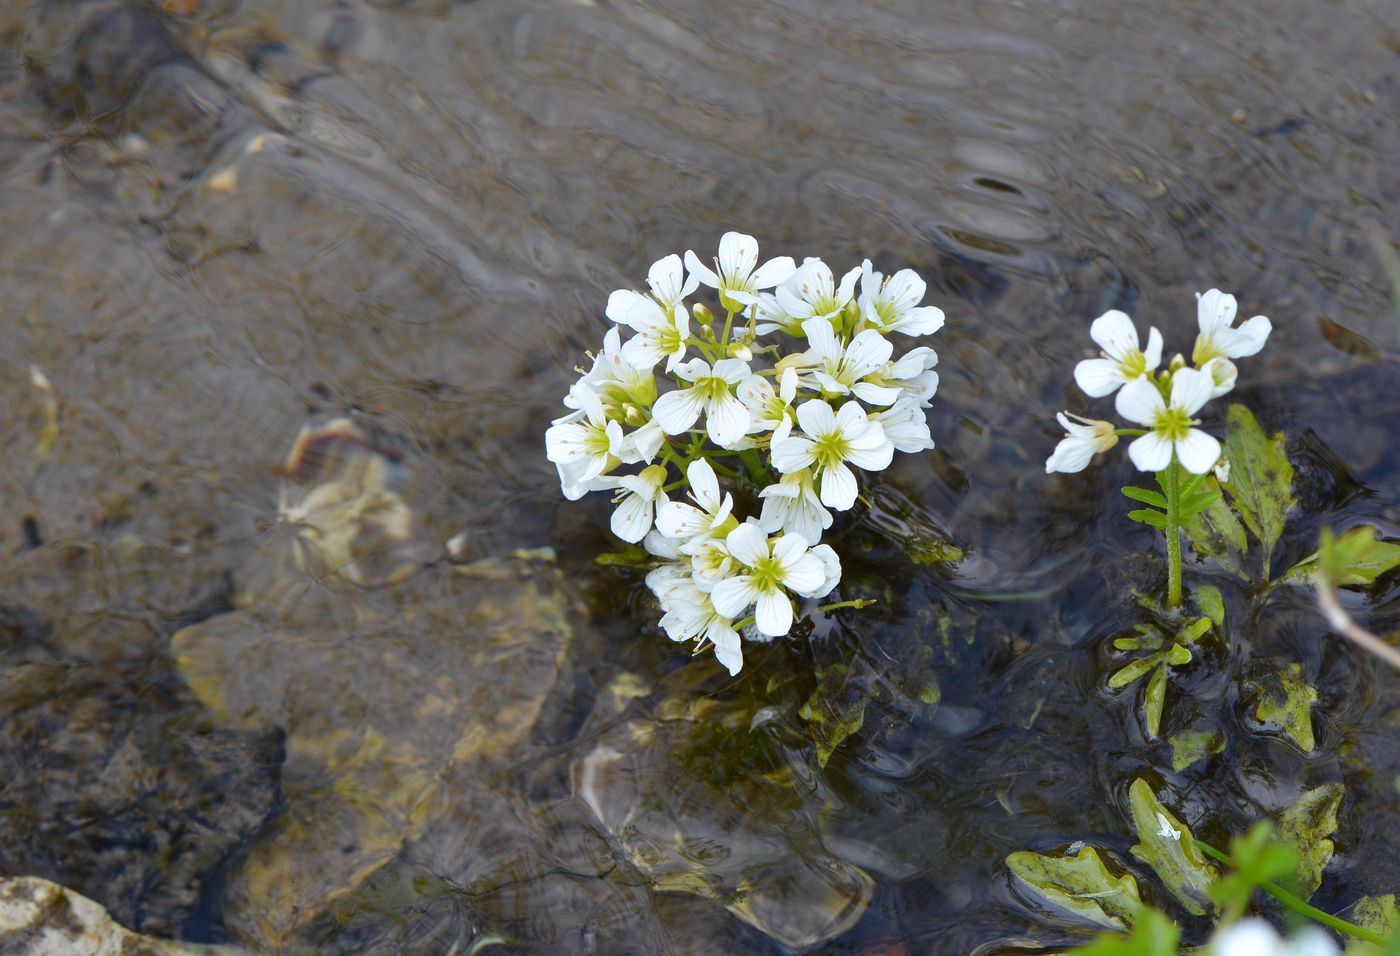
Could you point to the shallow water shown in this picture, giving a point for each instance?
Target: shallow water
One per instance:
(224, 221)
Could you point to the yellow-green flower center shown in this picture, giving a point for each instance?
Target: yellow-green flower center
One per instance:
(597, 441)
(1172, 423)
(831, 449)
(1134, 365)
(712, 388)
(767, 574)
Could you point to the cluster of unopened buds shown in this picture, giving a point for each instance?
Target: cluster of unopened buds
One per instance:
(778, 401)
(1162, 402)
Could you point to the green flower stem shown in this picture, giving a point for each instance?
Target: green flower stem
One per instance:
(724, 339)
(1129, 432)
(1173, 534)
(1299, 906)
(857, 603)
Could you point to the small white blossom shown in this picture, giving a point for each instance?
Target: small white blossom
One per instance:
(769, 316)
(1254, 937)
(831, 440)
(637, 502)
(584, 444)
(1215, 312)
(1084, 438)
(661, 333)
(841, 370)
(911, 375)
(768, 408)
(710, 516)
(642, 444)
(1169, 423)
(1123, 360)
(892, 305)
(689, 614)
(773, 567)
(737, 275)
(726, 418)
(614, 379)
(792, 506)
(905, 425)
(812, 291)
(1222, 374)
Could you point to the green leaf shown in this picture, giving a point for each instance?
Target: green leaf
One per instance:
(1192, 505)
(1153, 935)
(1155, 699)
(1149, 517)
(1132, 670)
(631, 556)
(1289, 706)
(1261, 478)
(833, 712)
(1192, 745)
(1080, 885)
(1356, 557)
(1178, 655)
(1217, 533)
(1196, 630)
(1146, 497)
(1255, 859)
(1380, 914)
(1168, 847)
(1211, 603)
(1306, 827)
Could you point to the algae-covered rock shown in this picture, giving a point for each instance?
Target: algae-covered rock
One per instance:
(40, 918)
(387, 677)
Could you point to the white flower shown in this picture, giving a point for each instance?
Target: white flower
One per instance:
(614, 379)
(668, 282)
(1254, 937)
(812, 292)
(1123, 360)
(726, 418)
(774, 567)
(832, 439)
(839, 370)
(712, 518)
(661, 333)
(1169, 423)
(911, 375)
(769, 316)
(905, 425)
(768, 408)
(737, 275)
(1084, 438)
(689, 614)
(792, 507)
(831, 569)
(637, 503)
(1215, 311)
(892, 305)
(1222, 374)
(584, 444)
(642, 444)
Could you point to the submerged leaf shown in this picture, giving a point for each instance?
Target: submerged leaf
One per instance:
(1261, 477)
(1154, 699)
(1216, 533)
(1080, 885)
(1255, 859)
(1354, 557)
(1380, 915)
(1154, 934)
(1290, 707)
(1306, 827)
(1168, 847)
(1192, 745)
(1131, 671)
(833, 712)
(1211, 603)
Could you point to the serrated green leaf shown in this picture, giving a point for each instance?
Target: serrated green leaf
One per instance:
(1154, 699)
(1217, 533)
(833, 712)
(1210, 603)
(1168, 847)
(1289, 706)
(1080, 885)
(1132, 670)
(1261, 477)
(1357, 557)
(1149, 517)
(1146, 497)
(1192, 505)
(1192, 745)
(1379, 914)
(1306, 827)
(1154, 934)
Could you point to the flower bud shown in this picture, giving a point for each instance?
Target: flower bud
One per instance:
(633, 416)
(1178, 362)
(703, 315)
(741, 350)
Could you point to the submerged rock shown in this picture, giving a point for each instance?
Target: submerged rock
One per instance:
(39, 918)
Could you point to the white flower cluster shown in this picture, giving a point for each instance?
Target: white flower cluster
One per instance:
(1164, 402)
(799, 385)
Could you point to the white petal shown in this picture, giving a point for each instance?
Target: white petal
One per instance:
(821, 337)
(924, 320)
(875, 394)
(847, 288)
(703, 483)
(873, 459)
(728, 649)
(694, 369)
(680, 521)
(677, 411)
(839, 488)
(1250, 337)
(1115, 334)
(1215, 309)
(1140, 402)
(792, 455)
(867, 352)
(624, 304)
(773, 271)
(817, 418)
(738, 254)
(905, 289)
(700, 271)
(773, 614)
(831, 567)
(666, 278)
(1198, 452)
(1191, 389)
(642, 352)
(805, 574)
(787, 385)
(788, 549)
(1072, 454)
(1098, 377)
(732, 596)
(1151, 452)
(631, 519)
(1153, 355)
(728, 421)
(747, 544)
(851, 420)
(732, 370)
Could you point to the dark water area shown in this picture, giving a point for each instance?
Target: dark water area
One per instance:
(391, 228)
